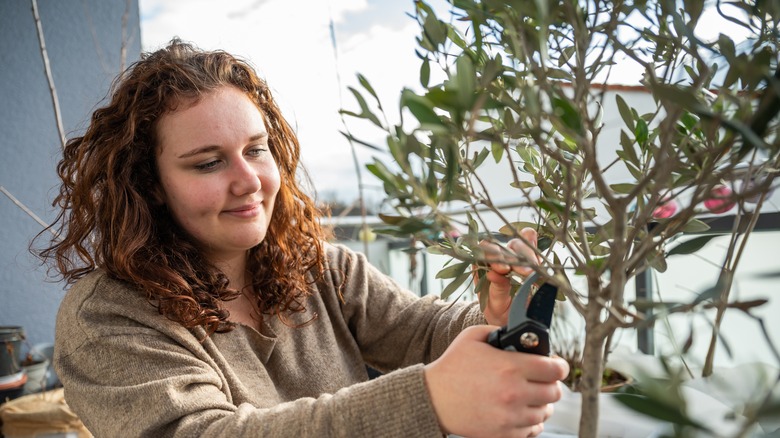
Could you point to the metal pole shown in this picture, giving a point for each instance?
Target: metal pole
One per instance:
(645, 338)
(424, 279)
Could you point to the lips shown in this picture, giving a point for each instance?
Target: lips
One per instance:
(246, 210)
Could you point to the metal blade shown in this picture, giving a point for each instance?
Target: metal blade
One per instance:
(542, 304)
(539, 309)
(518, 311)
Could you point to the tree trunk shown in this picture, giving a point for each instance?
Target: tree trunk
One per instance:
(592, 370)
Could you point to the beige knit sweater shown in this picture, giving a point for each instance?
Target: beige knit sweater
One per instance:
(128, 371)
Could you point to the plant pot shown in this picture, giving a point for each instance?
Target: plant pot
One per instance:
(46, 351)
(12, 386)
(36, 375)
(11, 338)
(611, 379)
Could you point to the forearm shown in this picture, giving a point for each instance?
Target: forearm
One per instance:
(393, 327)
(392, 406)
(397, 404)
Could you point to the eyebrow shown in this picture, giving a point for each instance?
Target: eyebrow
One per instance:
(213, 147)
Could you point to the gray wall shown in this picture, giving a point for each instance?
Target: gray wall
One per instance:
(83, 39)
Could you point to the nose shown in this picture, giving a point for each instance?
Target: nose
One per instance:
(244, 178)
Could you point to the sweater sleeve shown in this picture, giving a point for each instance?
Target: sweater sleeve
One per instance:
(145, 388)
(393, 327)
(133, 375)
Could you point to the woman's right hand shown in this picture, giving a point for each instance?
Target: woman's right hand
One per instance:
(478, 390)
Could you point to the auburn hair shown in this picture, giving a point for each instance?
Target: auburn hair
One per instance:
(108, 217)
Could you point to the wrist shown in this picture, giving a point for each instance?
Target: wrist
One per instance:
(435, 397)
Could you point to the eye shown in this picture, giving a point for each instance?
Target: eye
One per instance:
(257, 151)
(207, 166)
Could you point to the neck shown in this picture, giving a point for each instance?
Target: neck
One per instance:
(235, 269)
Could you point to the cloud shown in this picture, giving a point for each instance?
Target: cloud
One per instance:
(290, 46)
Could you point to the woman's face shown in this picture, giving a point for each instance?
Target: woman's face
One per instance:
(219, 179)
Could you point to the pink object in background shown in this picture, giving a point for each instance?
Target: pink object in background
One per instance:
(719, 200)
(666, 209)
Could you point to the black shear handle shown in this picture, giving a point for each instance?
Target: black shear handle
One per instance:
(528, 337)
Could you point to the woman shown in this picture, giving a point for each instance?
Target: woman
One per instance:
(207, 302)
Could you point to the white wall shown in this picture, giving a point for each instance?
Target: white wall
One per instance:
(753, 280)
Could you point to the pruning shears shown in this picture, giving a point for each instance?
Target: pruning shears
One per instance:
(528, 328)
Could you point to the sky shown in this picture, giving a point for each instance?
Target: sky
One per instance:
(290, 45)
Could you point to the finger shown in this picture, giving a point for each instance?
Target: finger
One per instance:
(498, 304)
(540, 395)
(525, 248)
(549, 409)
(498, 278)
(563, 367)
(530, 235)
(532, 415)
(536, 430)
(497, 272)
(544, 369)
(495, 257)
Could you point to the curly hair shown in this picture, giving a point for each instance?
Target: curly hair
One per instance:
(108, 217)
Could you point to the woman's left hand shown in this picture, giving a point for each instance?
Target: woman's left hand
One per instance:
(499, 301)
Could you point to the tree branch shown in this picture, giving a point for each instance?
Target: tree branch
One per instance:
(52, 90)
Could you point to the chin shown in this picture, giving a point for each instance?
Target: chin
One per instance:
(257, 241)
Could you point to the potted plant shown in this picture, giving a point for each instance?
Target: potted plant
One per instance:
(517, 88)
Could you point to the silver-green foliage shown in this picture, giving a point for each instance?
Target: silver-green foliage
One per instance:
(522, 87)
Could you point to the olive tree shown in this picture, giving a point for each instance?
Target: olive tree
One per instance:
(519, 83)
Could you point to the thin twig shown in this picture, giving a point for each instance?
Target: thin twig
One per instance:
(47, 68)
(26, 209)
(731, 263)
(355, 161)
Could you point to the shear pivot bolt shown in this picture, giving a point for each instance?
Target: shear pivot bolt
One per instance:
(529, 340)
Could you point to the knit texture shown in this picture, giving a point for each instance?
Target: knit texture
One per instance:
(128, 371)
